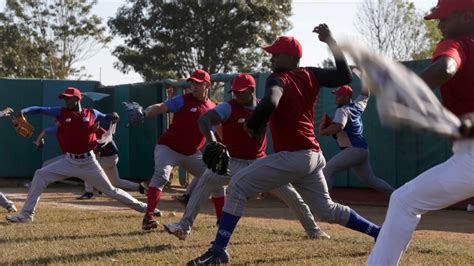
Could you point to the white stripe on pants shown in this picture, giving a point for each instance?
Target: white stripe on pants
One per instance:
(87, 169)
(211, 181)
(435, 189)
(109, 164)
(303, 169)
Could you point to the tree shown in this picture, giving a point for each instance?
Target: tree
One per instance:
(170, 39)
(46, 38)
(395, 28)
(433, 35)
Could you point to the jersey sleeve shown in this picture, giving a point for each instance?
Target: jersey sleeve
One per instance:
(341, 116)
(223, 110)
(453, 49)
(49, 111)
(101, 117)
(175, 104)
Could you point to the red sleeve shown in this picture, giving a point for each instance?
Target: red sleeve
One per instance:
(451, 48)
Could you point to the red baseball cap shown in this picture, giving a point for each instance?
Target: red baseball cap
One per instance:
(446, 8)
(344, 90)
(285, 45)
(200, 76)
(242, 82)
(71, 92)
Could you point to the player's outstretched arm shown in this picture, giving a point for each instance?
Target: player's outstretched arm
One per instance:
(331, 78)
(49, 111)
(155, 110)
(206, 123)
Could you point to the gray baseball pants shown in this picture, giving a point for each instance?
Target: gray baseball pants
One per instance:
(166, 158)
(211, 181)
(357, 160)
(87, 169)
(109, 164)
(303, 169)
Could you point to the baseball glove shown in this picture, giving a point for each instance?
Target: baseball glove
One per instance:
(22, 126)
(134, 112)
(216, 157)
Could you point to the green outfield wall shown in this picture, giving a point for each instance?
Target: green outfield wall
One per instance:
(396, 155)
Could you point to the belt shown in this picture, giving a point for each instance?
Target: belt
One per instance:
(79, 156)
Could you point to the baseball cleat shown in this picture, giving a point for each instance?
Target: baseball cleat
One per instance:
(156, 213)
(177, 230)
(19, 218)
(148, 224)
(11, 208)
(143, 188)
(86, 195)
(319, 235)
(211, 257)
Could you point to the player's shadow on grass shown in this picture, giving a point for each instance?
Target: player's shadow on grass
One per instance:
(70, 237)
(289, 260)
(68, 258)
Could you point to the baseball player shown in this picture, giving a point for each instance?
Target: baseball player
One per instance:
(452, 181)
(179, 145)
(4, 201)
(107, 158)
(289, 102)
(243, 151)
(77, 138)
(347, 127)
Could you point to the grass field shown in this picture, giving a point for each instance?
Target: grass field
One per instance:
(98, 232)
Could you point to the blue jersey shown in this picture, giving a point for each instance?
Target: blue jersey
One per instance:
(350, 117)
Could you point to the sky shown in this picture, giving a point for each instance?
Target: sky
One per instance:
(338, 15)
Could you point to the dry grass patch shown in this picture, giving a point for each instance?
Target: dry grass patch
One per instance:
(87, 237)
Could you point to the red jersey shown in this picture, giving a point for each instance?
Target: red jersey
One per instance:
(458, 92)
(239, 144)
(292, 122)
(76, 131)
(183, 135)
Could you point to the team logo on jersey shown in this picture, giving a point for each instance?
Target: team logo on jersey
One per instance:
(241, 120)
(68, 120)
(193, 110)
(85, 119)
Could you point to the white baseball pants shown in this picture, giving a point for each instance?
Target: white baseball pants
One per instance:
(435, 189)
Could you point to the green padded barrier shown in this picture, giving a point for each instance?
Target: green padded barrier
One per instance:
(18, 156)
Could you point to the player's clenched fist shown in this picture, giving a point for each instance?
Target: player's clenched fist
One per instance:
(324, 34)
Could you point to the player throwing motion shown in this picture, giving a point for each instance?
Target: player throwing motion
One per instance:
(107, 156)
(290, 96)
(180, 144)
(243, 151)
(77, 139)
(348, 129)
(453, 180)
(4, 201)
